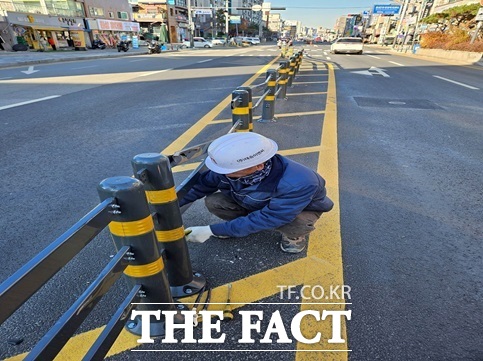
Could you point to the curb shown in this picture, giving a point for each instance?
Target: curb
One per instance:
(7, 64)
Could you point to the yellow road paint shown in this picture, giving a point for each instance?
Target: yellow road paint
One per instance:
(325, 242)
(286, 152)
(196, 128)
(322, 266)
(244, 291)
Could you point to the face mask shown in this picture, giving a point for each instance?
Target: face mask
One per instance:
(258, 176)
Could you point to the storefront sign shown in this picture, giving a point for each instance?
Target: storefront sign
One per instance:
(78, 38)
(117, 25)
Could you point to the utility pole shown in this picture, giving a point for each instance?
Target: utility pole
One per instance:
(401, 18)
(190, 25)
(227, 15)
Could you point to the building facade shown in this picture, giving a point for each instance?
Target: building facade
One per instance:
(52, 25)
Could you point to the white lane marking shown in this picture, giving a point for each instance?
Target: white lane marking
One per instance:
(455, 82)
(6, 78)
(203, 61)
(28, 102)
(181, 104)
(30, 70)
(156, 72)
(85, 67)
(373, 56)
(328, 58)
(133, 61)
(393, 62)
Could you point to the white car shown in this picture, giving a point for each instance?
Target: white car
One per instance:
(198, 43)
(218, 41)
(251, 41)
(347, 45)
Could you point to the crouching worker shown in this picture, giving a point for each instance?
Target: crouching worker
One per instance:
(254, 189)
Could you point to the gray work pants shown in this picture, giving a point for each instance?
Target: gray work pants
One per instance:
(227, 209)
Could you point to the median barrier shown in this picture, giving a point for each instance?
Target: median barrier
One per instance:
(143, 216)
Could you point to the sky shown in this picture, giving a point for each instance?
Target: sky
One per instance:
(315, 13)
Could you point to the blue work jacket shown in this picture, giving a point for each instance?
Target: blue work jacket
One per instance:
(289, 189)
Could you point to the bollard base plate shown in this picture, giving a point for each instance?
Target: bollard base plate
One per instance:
(189, 289)
(156, 328)
(273, 120)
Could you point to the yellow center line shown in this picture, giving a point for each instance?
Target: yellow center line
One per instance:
(325, 241)
(322, 266)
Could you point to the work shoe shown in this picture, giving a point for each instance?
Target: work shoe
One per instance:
(293, 245)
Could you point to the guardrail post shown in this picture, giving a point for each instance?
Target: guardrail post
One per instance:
(284, 64)
(250, 105)
(268, 110)
(240, 110)
(154, 170)
(291, 72)
(132, 225)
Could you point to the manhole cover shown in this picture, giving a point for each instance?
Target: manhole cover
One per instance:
(396, 103)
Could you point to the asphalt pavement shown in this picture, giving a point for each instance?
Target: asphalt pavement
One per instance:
(16, 58)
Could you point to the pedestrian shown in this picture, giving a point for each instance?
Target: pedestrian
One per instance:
(43, 43)
(254, 189)
(52, 43)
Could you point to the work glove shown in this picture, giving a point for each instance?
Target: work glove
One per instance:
(198, 234)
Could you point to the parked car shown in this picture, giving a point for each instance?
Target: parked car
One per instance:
(251, 41)
(347, 45)
(218, 41)
(198, 42)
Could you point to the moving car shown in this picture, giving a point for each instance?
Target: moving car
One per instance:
(198, 42)
(347, 45)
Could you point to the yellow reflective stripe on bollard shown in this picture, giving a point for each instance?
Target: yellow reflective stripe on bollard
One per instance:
(171, 235)
(163, 196)
(272, 83)
(270, 97)
(133, 228)
(145, 270)
(241, 111)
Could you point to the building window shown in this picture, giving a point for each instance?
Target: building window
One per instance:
(96, 11)
(111, 14)
(122, 15)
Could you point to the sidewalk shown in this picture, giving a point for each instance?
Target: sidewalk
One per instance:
(11, 59)
(446, 56)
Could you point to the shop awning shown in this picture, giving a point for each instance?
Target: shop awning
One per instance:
(41, 27)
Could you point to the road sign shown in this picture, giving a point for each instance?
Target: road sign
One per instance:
(479, 16)
(386, 9)
(203, 12)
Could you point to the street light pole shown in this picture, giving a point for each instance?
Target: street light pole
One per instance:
(190, 25)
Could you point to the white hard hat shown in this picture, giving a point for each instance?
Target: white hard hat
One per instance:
(236, 151)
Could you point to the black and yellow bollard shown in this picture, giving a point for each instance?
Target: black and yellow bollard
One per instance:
(284, 64)
(154, 170)
(291, 72)
(132, 225)
(250, 106)
(240, 110)
(268, 110)
(300, 58)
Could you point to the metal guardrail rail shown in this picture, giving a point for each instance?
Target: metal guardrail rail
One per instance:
(131, 208)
